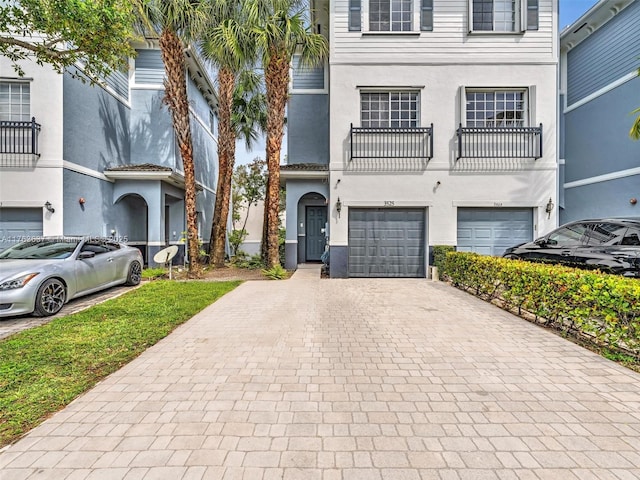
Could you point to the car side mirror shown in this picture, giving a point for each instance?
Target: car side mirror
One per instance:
(541, 242)
(83, 255)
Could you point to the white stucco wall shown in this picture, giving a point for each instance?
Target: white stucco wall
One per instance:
(463, 183)
(31, 184)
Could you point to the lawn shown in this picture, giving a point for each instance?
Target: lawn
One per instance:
(45, 368)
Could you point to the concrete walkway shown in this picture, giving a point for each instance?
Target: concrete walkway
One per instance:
(344, 380)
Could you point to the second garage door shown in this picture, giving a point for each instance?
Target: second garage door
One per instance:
(17, 224)
(490, 231)
(387, 242)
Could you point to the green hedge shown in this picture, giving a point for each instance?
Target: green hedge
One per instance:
(604, 307)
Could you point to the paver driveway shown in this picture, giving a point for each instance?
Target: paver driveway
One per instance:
(348, 379)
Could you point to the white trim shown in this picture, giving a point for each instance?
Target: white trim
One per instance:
(561, 161)
(287, 174)
(74, 167)
(603, 178)
(495, 204)
(22, 204)
(385, 203)
(286, 241)
(602, 91)
(148, 86)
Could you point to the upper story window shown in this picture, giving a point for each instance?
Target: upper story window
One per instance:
(503, 15)
(389, 109)
(15, 100)
(496, 108)
(390, 15)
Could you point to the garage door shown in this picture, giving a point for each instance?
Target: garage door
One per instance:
(386, 242)
(16, 223)
(490, 231)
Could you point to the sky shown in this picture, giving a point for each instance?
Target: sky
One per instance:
(570, 10)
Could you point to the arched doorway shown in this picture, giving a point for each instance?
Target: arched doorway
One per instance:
(312, 213)
(132, 224)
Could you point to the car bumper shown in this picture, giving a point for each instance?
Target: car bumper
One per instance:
(17, 302)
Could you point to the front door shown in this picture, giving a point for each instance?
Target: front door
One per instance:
(315, 235)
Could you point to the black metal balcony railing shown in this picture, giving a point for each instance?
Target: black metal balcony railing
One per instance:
(391, 143)
(19, 137)
(500, 142)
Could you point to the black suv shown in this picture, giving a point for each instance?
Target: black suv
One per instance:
(611, 245)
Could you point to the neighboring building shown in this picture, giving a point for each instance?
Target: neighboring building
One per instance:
(600, 163)
(102, 160)
(434, 122)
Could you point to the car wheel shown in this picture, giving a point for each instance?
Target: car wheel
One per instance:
(135, 274)
(512, 257)
(50, 297)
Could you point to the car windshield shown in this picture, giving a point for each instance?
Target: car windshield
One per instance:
(41, 249)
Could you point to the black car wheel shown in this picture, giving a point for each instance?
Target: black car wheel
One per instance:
(50, 297)
(135, 274)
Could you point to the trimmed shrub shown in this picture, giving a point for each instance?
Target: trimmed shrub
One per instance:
(603, 307)
(440, 255)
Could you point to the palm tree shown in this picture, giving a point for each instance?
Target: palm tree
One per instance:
(279, 30)
(227, 45)
(176, 23)
(634, 133)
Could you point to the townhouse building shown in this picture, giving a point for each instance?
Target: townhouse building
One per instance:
(599, 88)
(102, 160)
(432, 123)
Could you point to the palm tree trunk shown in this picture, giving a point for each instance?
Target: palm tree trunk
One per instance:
(226, 159)
(277, 83)
(176, 99)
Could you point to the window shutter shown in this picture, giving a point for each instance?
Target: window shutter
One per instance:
(532, 14)
(426, 16)
(463, 105)
(532, 106)
(355, 15)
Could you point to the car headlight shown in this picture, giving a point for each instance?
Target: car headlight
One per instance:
(18, 282)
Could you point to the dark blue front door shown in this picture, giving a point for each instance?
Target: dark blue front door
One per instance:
(315, 237)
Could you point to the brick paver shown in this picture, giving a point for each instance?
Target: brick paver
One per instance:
(344, 380)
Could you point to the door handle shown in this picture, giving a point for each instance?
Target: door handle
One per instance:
(566, 253)
(110, 260)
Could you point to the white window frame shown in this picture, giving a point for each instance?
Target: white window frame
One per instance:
(520, 18)
(21, 116)
(309, 91)
(415, 20)
(528, 97)
(390, 92)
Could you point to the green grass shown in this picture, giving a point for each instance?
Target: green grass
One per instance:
(44, 368)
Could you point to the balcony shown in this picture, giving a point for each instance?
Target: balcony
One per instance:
(500, 142)
(391, 148)
(19, 140)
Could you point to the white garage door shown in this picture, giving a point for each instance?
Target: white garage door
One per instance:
(490, 231)
(387, 242)
(17, 224)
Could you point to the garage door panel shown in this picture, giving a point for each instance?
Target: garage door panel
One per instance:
(393, 241)
(491, 231)
(19, 223)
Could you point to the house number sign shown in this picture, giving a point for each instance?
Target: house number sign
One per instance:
(389, 203)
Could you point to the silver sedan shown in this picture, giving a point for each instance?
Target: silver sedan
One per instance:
(43, 274)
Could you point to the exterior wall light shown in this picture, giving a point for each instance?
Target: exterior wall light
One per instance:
(549, 207)
(338, 206)
(49, 208)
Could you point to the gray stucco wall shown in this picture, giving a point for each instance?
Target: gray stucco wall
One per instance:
(597, 135)
(152, 138)
(95, 126)
(308, 136)
(604, 199)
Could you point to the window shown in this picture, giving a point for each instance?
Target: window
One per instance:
(567, 236)
(496, 108)
(389, 109)
(503, 15)
(632, 237)
(390, 15)
(14, 101)
(603, 234)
